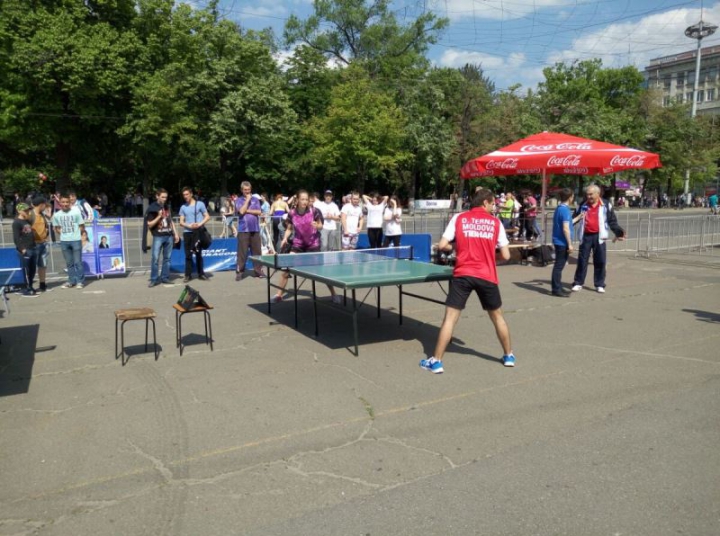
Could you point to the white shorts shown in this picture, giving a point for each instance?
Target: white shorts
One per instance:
(350, 241)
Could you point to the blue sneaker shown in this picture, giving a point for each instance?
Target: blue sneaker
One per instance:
(432, 365)
(509, 360)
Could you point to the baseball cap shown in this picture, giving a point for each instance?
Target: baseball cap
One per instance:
(38, 200)
(22, 207)
(328, 192)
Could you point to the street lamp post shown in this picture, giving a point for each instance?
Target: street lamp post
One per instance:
(696, 31)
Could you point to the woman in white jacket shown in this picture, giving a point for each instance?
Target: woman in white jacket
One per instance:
(392, 218)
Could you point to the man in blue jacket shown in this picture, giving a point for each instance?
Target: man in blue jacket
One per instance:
(599, 217)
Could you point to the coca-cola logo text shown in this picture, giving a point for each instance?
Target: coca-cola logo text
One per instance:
(557, 147)
(572, 160)
(630, 161)
(508, 163)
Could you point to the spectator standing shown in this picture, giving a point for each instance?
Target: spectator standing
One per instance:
(25, 246)
(249, 209)
(193, 215)
(375, 206)
(562, 239)
(530, 208)
(227, 211)
(138, 204)
(477, 235)
(329, 234)
(599, 217)
(352, 219)
(86, 211)
(69, 224)
(393, 223)
(713, 203)
(41, 236)
(159, 221)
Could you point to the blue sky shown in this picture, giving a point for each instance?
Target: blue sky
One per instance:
(515, 39)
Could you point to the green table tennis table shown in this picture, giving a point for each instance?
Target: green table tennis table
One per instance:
(352, 271)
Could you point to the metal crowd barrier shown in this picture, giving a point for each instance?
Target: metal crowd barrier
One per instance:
(693, 235)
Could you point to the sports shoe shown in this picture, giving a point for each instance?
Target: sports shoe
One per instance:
(432, 365)
(68, 285)
(166, 282)
(43, 287)
(186, 279)
(29, 293)
(260, 275)
(238, 276)
(509, 360)
(601, 290)
(153, 284)
(80, 286)
(577, 288)
(337, 299)
(277, 298)
(203, 277)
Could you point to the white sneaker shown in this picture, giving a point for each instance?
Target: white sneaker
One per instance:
(337, 299)
(601, 290)
(577, 288)
(277, 298)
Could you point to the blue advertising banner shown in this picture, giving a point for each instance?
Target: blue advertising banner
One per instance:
(221, 256)
(89, 249)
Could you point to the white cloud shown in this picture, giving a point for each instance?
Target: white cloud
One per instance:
(504, 71)
(637, 42)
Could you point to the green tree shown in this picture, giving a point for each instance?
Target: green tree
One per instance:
(66, 70)
(348, 31)
(361, 136)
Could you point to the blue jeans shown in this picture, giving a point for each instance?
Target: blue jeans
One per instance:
(72, 252)
(29, 266)
(591, 243)
(561, 257)
(164, 244)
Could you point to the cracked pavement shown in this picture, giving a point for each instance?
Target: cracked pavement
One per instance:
(608, 425)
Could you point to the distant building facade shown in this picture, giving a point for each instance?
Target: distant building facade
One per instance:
(674, 77)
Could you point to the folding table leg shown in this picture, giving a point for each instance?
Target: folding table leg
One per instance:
(355, 323)
(401, 304)
(296, 293)
(147, 325)
(315, 308)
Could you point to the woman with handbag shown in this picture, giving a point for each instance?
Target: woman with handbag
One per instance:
(193, 217)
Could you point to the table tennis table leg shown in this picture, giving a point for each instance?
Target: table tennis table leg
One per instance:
(355, 323)
(269, 275)
(400, 296)
(378, 302)
(296, 292)
(315, 308)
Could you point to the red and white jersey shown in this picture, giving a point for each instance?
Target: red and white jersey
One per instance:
(477, 234)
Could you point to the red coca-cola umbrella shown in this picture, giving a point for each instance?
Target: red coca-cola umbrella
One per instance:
(550, 153)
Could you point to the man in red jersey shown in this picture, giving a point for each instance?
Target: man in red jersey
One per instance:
(477, 235)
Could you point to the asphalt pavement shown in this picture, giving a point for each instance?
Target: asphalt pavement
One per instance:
(608, 425)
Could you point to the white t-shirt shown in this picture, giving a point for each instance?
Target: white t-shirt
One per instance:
(328, 209)
(375, 215)
(352, 217)
(393, 226)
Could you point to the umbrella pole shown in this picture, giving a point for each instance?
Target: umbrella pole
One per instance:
(543, 196)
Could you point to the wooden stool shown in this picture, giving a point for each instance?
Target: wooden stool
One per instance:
(180, 311)
(126, 315)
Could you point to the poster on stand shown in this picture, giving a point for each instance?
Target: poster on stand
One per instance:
(109, 246)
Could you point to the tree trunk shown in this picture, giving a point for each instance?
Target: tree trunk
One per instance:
(62, 162)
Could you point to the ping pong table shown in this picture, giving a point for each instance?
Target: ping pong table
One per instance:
(369, 270)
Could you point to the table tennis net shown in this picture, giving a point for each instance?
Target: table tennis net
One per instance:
(329, 258)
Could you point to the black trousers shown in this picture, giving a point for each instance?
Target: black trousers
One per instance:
(375, 236)
(189, 257)
(245, 240)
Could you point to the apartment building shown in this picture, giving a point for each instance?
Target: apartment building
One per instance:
(674, 77)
